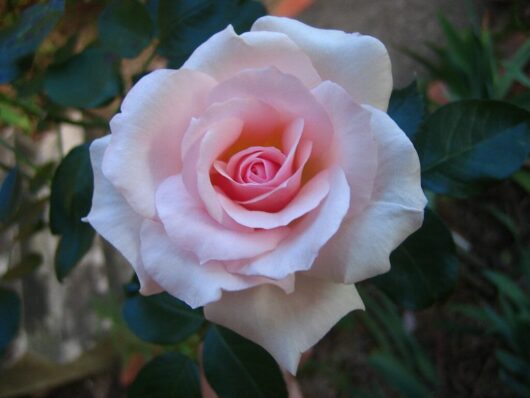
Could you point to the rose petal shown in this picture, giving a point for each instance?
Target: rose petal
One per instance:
(260, 119)
(277, 198)
(286, 94)
(298, 251)
(180, 274)
(192, 229)
(147, 134)
(360, 64)
(200, 158)
(362, 246)
(226, 53)
(114, 219)
(307, 199)
(285, 325)
(354, 141)
(241, 192)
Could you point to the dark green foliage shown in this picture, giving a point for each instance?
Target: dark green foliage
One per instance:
(407, 108)
(159, 318)
(424, 268)
(10, 317)
(183, 25)
(86, 80)
(399, 358)
(236, 367)
(466, 145)
(70, 201)
(125, 27)
(22, 39)
(170, 375)
(511, 323)
(10, 194)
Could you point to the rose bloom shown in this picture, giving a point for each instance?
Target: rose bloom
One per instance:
(261, 180)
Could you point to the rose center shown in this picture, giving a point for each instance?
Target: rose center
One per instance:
(255, 165)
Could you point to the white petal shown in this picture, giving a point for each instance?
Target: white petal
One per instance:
(112, 217)
(192, 229)
(226, 53)
(362, 246)
(355, 144)
(358, 63)
(147, 134)
(180, 274)
(286, 325)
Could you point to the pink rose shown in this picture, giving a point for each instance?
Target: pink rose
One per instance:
(261, 180)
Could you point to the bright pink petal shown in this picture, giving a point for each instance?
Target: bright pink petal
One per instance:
(147, 134)
(362, 246)
(192, 229)
(226, 53)
(354, 142)
(307, 199)
(360, 64)
(298, 251)
(286, 325)
(238, 191)
(280, 196)
(112, 217)
(180, 274)
(286, 94)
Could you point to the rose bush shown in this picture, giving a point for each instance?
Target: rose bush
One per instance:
(261, 180)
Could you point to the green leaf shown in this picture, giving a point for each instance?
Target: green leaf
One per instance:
(185, 24)
(70, 201)
(22, 39)
(12, 116)
(170, 375)
(161, 318)
(73, 245)
(508, 287)
(236, 367)
(513, 363)
(399, 377)
(10, 309)
(72, 187)
(28, 264)
(407, 108)
(86, 80)
(125, 27)
(10, 193)
(466, 144)
(424, 268)
(522, 177)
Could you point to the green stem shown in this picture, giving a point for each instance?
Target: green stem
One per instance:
(149, 59)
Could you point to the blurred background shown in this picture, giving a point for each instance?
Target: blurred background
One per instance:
(73, 341)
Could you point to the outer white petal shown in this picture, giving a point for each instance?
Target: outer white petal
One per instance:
(112, 217)
(354, 142)
(286, 325)
(362, 246)
(358, 63)
(147, 134)
(179, 273)
(225, 54)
